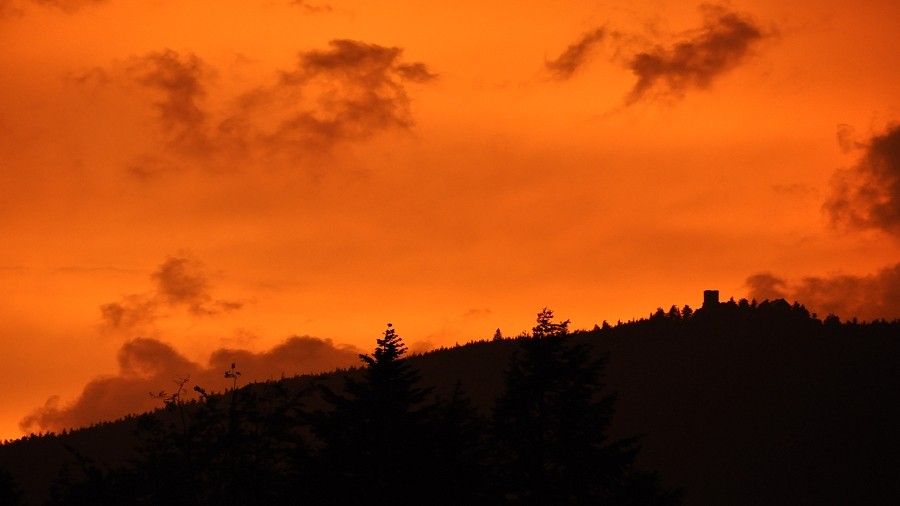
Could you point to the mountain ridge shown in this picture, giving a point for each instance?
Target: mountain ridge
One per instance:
(738, 403)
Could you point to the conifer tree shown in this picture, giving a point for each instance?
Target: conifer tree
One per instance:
(550, 428)
(375, 435)
(547, 327)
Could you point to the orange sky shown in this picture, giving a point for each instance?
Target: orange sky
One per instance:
(223, 175)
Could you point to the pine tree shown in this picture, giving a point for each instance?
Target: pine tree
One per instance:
(376, 432)
(546, 327)
(550, 428)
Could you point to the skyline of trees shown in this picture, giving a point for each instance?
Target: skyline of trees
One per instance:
(545, 434)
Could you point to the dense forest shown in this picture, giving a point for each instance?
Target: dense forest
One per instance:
(734, 403)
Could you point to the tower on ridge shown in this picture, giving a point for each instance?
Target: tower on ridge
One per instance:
(710, 298)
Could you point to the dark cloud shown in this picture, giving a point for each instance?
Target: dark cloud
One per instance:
(865, 297)
(180, 282)
(149, 358)
(131, 312)
(721, 44)
(150, 366)
(298, 354)
(348, 92)
(145, 365)
(180, 80)
(575, 55)
(766, 285)
(354, 90)
(867, 196)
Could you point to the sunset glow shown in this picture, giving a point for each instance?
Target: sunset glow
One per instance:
(187, 184)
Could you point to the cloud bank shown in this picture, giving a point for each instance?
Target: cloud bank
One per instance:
(149, 366)
(766, 286)
(867, 195)
(868, 298)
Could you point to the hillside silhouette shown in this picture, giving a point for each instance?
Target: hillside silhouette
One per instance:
(734, 403)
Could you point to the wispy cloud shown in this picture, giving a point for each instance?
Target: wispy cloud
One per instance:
(310, 8)
(180, 282)
(68, 6)
(355, 90)
(575, 56)
(181, 82)
(867, 195)
(723, 42)
(669, 70)
(349, 92)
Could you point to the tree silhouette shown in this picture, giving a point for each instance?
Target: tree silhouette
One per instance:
(234, 449)
(376, 434)
(550, 428)
(546, 327)
(10, 493)
(458, 453)
(758, 403)
(237, 449)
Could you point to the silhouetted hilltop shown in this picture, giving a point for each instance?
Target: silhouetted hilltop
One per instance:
(747, 404)
(737, 403)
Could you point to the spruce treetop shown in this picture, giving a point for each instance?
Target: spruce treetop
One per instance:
(388, 349)
(545, 326)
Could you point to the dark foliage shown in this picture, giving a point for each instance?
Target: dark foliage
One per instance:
(550, 425)
(762, 403)
(388, 438)
(372, 434)
(739, 402)
(384, 437)
(10, 492)
(245, 447)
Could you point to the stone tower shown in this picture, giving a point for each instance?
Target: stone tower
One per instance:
(710, 298)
